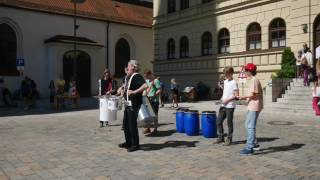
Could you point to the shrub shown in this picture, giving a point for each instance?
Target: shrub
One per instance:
(287, 64)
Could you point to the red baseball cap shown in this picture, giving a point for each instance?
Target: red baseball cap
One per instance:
(250, 67)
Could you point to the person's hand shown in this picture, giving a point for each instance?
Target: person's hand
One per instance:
(130, 92)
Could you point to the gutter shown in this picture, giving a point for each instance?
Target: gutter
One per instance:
(107, 44)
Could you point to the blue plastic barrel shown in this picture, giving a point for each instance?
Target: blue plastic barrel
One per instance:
(180, 121)
(208, 124)
(191, 123)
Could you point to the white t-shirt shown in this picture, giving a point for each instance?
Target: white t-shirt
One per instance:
(228, 92)
(308, 56)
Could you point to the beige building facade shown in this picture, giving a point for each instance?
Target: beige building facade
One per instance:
(44, 39)
(196, 39)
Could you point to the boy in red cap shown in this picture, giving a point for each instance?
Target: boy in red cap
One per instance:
(255, 105)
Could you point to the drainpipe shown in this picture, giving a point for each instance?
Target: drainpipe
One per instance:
(310, 23)
(107, 45)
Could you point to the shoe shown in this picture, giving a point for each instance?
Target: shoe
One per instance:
(246, 152)
(122, 128)
(146, 131)
(218, 141)
(107, 123)
(133, 148)
(228, 142)
(123, 145)
(256, 147)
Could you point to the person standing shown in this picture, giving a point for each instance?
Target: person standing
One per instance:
(308, 66)
(298, 64)
(230, 92)
(133, 93)
(108, 84)
(255, 106)
(318, 70)
(174, 93)
(153, 93)
(52, 88)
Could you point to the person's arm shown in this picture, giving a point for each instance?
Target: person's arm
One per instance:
(139, 90)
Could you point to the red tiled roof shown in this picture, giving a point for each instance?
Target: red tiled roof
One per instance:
(106, 10)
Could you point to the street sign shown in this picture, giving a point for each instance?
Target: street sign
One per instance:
(242, 76)
(20, 64)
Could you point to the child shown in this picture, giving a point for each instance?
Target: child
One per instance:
(255, 105)
(52, 92)
(230, 92)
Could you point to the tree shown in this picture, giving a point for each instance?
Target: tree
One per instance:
(287, 64)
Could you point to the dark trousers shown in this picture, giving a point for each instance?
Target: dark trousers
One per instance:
(223, 114)
(130, 126)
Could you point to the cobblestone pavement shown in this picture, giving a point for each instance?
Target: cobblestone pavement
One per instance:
(70, 145)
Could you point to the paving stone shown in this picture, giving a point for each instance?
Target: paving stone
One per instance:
(69, 145)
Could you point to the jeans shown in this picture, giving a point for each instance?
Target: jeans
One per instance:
(305, 75)
(250, 124)
(155, 107)
(223, 114)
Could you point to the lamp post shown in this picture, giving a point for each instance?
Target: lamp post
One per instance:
(75, 27)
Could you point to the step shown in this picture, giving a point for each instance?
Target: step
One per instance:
(284, 111)
(294, 101)
(292, 106)
(299, 93)
(272, 108)
(306, 97)
(299, 88)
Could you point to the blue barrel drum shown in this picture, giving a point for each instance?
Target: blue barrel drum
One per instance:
(208, 124)
(191, 123)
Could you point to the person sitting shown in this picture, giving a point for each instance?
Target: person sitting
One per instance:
(5, 96)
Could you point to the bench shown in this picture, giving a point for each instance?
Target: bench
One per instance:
(60, 99)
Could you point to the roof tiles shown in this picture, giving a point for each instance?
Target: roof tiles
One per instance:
(106, 10)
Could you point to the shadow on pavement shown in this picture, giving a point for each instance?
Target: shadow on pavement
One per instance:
(162, 133)
(43, 107)
(164, 124)
(168, 144)
(279, 149)
(263, 139)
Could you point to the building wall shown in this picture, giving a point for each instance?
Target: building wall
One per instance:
(236, 16)
(43, 62)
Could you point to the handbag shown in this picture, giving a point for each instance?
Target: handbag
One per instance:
(304, 61)
(146, 114)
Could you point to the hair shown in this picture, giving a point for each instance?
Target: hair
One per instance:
(134, 63)
(173, 80)
(228, 70)
(51, 84)
(147, 72)
(318, 64)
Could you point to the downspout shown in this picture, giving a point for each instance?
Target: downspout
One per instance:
(310, 24)
(107, 44)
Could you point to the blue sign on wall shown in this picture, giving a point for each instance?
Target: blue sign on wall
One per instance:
(20, 62)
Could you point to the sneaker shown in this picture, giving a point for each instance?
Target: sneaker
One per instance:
(246, 152)
(133, 148)
(256, 147)
(228, 142)
(218, 141)
(146, 131)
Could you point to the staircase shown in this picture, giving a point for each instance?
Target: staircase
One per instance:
(296, 100)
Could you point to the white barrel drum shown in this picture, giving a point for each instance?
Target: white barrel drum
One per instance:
(106, 114)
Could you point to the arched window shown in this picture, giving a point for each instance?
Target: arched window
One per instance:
(184, 4)
(171, 49)
(254, 36)
(184, 47)
(171, 6)
(277, 33)
(224, 41)
(206, 43)
(122, 57)
(8, 51)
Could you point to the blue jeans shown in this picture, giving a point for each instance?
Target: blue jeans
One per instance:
(251, 123)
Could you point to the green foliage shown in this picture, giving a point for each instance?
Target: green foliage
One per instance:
(287, 64)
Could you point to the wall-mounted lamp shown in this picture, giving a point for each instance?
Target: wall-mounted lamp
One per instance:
(304, 28)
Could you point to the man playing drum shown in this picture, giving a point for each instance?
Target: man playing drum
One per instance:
(133, 90)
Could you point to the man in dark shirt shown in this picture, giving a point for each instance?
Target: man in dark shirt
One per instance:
(133, 94)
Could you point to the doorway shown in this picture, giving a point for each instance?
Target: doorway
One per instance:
(83, 70)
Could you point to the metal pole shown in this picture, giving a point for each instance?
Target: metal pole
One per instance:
(75, 42)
